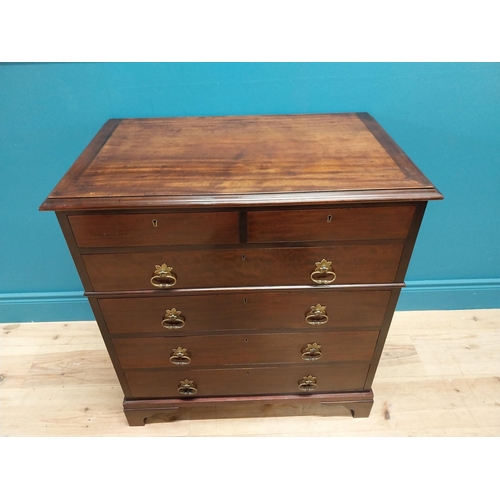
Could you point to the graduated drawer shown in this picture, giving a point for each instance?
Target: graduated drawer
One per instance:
(247, 381)
(136, 229)
(360, 223)
(217, 350)
(244, 267)
(283, 310)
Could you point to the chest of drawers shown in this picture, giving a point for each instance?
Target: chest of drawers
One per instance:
(242, 259)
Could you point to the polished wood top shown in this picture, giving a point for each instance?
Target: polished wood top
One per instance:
(239, 160)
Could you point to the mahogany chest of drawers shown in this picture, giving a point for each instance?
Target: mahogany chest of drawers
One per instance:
(242, 259)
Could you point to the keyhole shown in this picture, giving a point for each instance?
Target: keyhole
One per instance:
(243, 257)
(155, 222)
(246, 340)
(244, 301)
(248, 373)
(329, 218)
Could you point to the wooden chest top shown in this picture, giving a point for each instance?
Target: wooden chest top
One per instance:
(239, 161)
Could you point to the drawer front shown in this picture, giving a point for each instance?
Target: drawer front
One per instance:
(244, 267)
(248, 381)
(155, 229)
(219, 350)
(263, 311)
(365, 223)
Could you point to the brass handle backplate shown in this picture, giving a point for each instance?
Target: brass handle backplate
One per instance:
(312, 352)
(163, 277)
(317, 315)
(308, 384)
(187, 388)
(173, 319)
(180, 356)
(323, 274)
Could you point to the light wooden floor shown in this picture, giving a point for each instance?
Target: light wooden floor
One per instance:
(439, 376)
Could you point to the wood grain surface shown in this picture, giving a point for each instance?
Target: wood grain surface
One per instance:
(188, 228)
(241, 267)
(232, 311)
(360, 223)
(191, 157)
(259, 348)
(248, 381)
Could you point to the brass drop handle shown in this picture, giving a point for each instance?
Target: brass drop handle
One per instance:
(312, 352)
(187, 388)
(317, 315)
(163, 277)
(323, 274)
(308, 384)
(180, 356)
(173, 319)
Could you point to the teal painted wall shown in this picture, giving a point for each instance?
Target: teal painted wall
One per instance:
(446, 117)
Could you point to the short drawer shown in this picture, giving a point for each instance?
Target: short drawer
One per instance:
(360, 223)
(181, 314)
(155, 229)
(218, 350)
(247, 381)
(244, 267)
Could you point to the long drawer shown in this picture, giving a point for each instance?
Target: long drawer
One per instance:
(349, 264)
(247, 381)
(258, 348)
(324, 309)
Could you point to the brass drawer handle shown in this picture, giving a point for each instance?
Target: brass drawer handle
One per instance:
(163, 277)
(308, 384)
(173, 319)
(187, 388)
(317, 315)
(312, 352)
(323, 274)
(180, 356)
